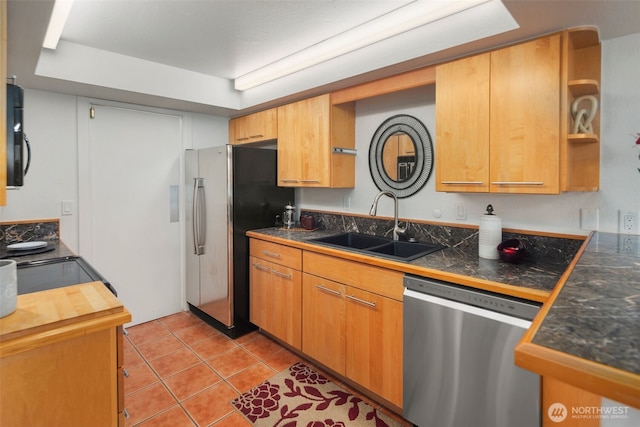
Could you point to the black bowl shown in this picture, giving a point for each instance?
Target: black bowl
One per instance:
(512, 250)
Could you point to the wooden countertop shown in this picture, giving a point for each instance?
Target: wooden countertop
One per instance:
(53, 315)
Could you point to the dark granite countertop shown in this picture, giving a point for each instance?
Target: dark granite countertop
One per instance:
(596, 315)
(463, 260)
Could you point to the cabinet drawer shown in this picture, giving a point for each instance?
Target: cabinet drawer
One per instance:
(279, 254)
(373, 279)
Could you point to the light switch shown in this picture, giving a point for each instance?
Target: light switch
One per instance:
(589, 219)
(67, 207)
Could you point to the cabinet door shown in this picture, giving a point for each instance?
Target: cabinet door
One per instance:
(462, 125)
(323, 321)
(304, 143)
(525, 117)
(259, 280)
(374, 343)
(284, 308)
(261, 126)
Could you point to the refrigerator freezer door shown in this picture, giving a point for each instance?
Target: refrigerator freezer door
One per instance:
(214, 296)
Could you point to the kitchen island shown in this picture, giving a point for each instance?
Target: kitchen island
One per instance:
(586, 334)
(61, 358)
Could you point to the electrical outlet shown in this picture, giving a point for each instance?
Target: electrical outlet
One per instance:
(628, 221)
(629, 244)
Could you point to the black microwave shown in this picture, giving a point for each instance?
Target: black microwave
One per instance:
(17, 165)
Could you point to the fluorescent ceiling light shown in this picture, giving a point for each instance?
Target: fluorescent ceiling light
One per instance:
(409, 17)
(59, 15)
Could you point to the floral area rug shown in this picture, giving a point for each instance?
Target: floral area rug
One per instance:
(301, 397)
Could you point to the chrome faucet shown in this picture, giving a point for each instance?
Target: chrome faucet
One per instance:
(397, 230)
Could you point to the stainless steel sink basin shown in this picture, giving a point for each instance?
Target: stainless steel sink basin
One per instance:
(378, 246)
(404, 251)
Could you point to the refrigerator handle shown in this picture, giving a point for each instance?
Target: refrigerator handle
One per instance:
(199, 216)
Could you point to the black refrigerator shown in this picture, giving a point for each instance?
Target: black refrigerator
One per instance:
(229, 190)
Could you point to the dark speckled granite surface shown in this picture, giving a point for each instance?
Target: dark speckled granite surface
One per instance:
(28, 232)
(596, 316)
(547, 257)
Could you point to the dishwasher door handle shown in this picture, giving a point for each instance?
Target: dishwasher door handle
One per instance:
(499, 317)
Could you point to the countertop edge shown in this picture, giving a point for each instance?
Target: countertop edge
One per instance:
(607, 381)
(506, 289)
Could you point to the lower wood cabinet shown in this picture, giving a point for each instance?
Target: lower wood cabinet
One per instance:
(353, 331)
(275, 290)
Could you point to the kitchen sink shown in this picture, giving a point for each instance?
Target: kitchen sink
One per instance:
(352, 240)
(404, 251)
(378, 246)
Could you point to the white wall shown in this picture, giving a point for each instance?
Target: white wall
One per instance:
(52, 128)
(619, 183)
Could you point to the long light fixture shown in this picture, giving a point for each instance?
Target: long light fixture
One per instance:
(59, 15)
(409, 17)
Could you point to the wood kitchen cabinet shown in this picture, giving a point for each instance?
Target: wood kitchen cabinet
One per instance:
(312, 137)
(275, 282)
(501, 120)
(352, 322)
(256, 127)
(61, 359)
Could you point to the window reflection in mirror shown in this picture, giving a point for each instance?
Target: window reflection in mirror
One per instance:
(399, 157)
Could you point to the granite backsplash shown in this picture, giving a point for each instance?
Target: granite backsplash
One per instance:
(28, 231)
(556, 249)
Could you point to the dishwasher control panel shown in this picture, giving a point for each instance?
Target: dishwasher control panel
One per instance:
(476, 297)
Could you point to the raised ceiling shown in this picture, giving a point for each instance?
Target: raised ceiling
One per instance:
(185, 54)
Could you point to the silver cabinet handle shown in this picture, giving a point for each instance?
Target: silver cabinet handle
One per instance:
(331, 291)
(260, 267)
(462, 182)
(517, 183)
(125, 372)
(271, 254)
(285, 275)
(257, 136)
(310, 181)
(126, 413)
(361, 301)
(288, 180)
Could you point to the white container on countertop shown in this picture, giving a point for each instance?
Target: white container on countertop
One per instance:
(8, 287)
(490, 235)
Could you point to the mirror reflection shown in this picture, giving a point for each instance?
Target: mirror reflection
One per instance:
(399, 157)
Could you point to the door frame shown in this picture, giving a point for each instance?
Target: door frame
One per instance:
(85, 208)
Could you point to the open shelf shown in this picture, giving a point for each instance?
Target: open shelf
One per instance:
(584, 87)
(583, 137)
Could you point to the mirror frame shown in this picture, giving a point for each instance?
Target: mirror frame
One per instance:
(421, 138)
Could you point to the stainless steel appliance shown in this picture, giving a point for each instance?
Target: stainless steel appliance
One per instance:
(458, 357)
(231, 189)
(35, 276)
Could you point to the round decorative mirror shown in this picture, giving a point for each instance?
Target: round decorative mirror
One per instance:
(401, 155)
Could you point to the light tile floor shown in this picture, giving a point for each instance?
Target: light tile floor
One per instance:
(183, 372)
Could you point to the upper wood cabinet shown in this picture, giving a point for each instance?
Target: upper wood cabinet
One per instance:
(502, 120)
(261, 126)
(312, 134)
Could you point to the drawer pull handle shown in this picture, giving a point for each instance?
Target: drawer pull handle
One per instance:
(310, 181)
(126, 413)
(288, 180)
(361, 301)
(331, 291)
(271, 254)
(462, 182)
(517, 183)
(125, 372)
(285, 275)
(257, 136)
(260, 267)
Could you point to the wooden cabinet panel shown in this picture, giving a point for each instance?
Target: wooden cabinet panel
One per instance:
(525, 117)
(374, 343)
(323, 331)
(555, 391)
(308, 130)
(275, 297)
(462, 131)
(256, 127)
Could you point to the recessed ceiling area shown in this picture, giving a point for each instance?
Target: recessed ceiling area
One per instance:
(186, 54)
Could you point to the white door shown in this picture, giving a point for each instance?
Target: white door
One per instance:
(130, 165)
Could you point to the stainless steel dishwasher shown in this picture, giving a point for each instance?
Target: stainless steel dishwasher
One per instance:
(458, 357)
